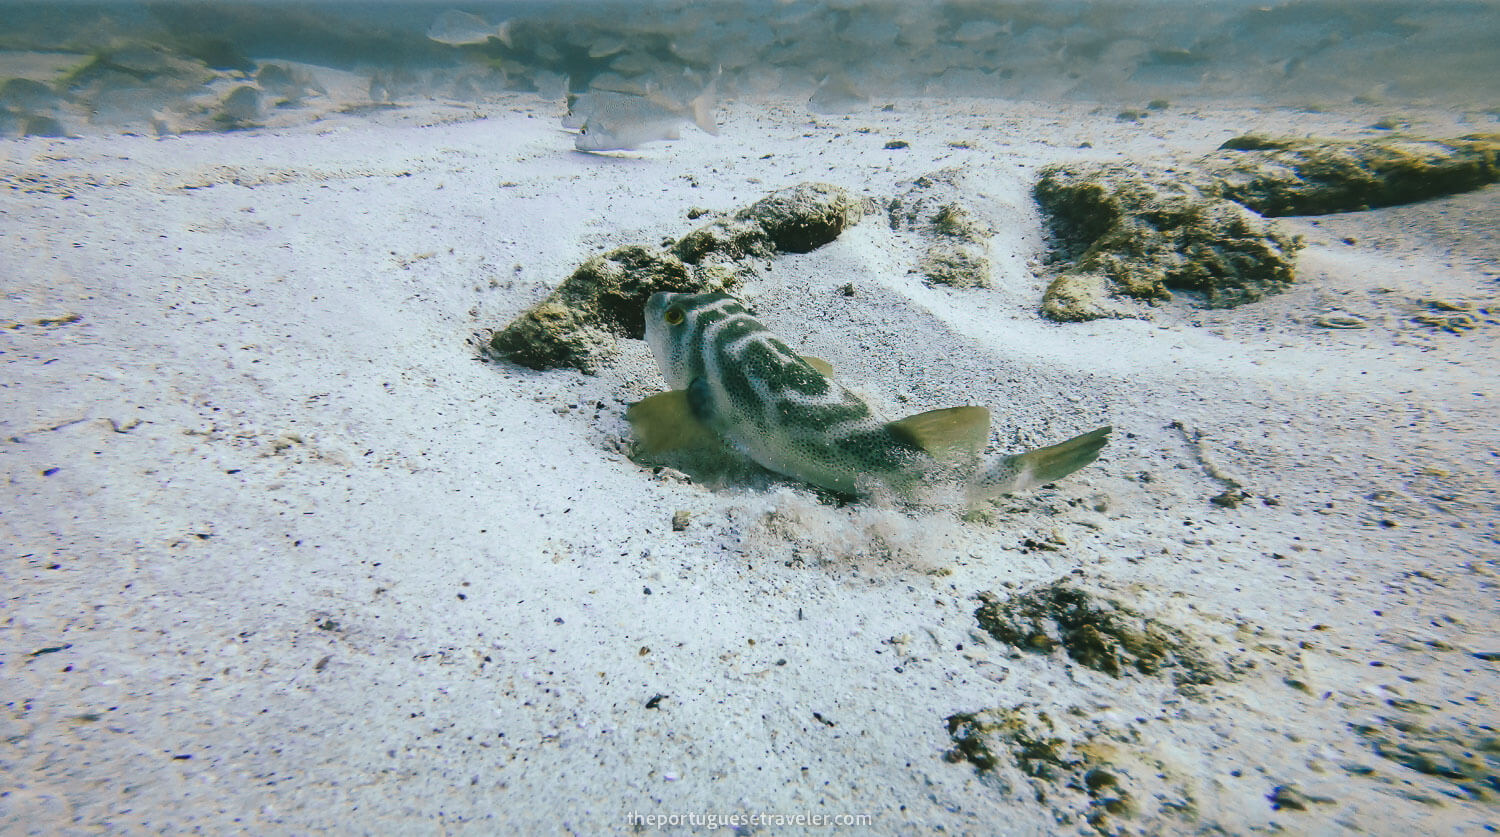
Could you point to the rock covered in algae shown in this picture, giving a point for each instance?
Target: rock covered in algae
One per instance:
(797, 219)
(1303, 176)
(956, 265)
(1099, 633)
(604, 299)
(1083, 771)
(550, 335)
(1133, 233)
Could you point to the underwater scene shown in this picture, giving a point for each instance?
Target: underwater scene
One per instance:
(170, 67)
(757, 417)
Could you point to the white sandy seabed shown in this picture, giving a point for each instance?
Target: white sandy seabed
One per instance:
(284, 556)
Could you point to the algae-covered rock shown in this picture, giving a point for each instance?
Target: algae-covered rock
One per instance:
(1457, 316)
(551, 335)
(163, 68)
(797, 219)
(1085, 772)
(241, 108)
(1465, 754)
(24, 94)
(613, 288)
(956, 265)
(1079, 296)
(43, 126)
(1302, 176)
(934, 203)
(955, 220)
(1451, 322)
(1133, 233)
(605, 298)
(1022, 732)
(287, 83)
(1099, 633)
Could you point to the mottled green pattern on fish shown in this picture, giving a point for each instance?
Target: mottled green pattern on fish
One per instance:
(732, 378)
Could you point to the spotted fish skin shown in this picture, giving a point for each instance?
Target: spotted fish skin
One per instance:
(764, 399)
(760, 397)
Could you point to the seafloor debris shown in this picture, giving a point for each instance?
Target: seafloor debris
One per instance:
(792, 220)
(1465, 754)
(1099, 633)
(1130, 234)
(1082, 770)
(1340, 320)
(605, 298)
(957, 257)
(1291, 798)
(1455, 316)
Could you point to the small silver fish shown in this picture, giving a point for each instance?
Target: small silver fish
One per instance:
(610, 121)
(837, 96)
(735, 383)
(457, 28)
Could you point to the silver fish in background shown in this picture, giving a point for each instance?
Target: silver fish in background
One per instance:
(551, 86)
(610, 121)
(837, 95)
(734, 382)
(457, 28)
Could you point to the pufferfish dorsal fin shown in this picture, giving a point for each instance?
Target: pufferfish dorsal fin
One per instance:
(824, 367)
(665, 422)
(949, 432)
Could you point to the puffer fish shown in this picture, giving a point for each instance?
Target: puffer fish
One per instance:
(610, 121)
(736, 383)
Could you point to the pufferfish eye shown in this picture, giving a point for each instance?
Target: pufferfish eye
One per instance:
(673, 316)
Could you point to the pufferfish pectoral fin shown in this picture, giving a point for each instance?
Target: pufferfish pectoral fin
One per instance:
(824, 367)
(947, 433)
(666, 423)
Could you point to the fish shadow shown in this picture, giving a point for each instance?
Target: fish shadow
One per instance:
(622, 156)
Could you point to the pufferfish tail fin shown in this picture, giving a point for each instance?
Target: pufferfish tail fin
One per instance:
(1021, 471)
